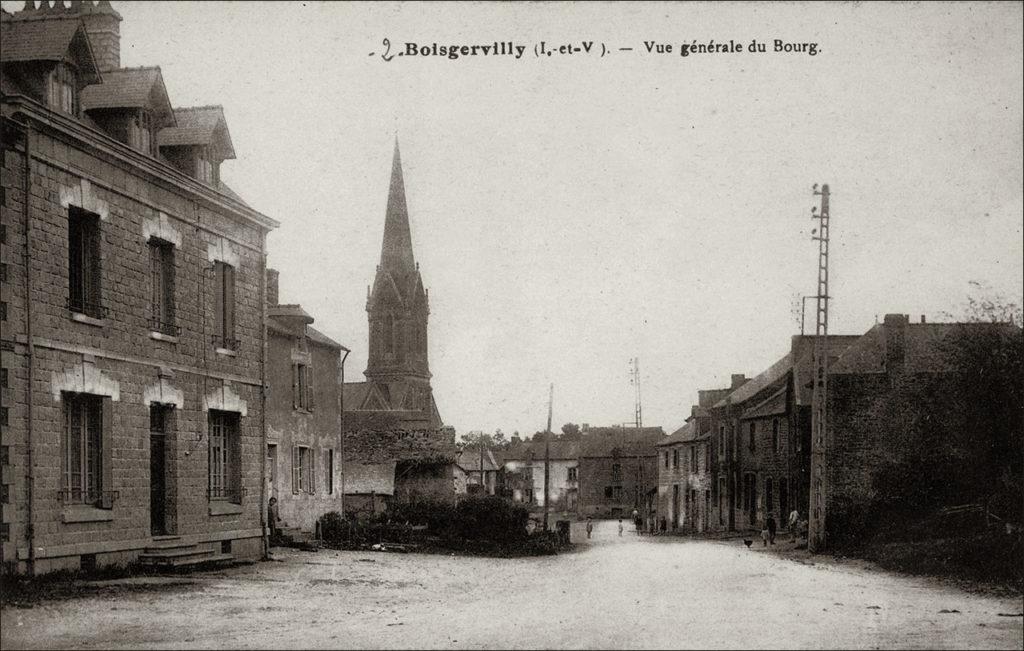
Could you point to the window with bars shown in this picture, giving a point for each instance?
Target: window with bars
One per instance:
(303, 477)
(224, 290)
(61, 85)
(161, 273)
(84, 295)
(225, 449)
(82, 448)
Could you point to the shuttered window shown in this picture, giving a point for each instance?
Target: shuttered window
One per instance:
(224, 299)
(303, 474)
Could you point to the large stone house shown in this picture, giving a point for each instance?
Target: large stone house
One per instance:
(132, 311)
(617, 467)
(304, 454)
(524, 474)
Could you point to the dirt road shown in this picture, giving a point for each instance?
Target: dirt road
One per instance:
(623, 592)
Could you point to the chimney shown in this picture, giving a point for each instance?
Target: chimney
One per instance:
(895, 341)
(272, 289)
(737, 380)
(102, 23)
(922, 319)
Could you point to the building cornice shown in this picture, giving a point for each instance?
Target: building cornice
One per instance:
(101, 144)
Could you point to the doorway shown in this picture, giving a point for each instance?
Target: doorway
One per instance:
(158, 469)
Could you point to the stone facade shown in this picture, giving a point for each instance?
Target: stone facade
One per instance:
(617, 467)
(304, 451)
(112, 352)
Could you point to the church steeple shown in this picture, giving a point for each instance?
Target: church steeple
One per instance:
(396, 252)
(397, 305)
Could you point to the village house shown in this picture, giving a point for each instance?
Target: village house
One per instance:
(304, 369)
(524, 470)
(617, 466)
(481, 469)
(132, 311)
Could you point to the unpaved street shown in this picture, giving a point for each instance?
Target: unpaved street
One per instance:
(614, 592)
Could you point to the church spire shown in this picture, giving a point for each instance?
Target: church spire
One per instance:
(396, 251)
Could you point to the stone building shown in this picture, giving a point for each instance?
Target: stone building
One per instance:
(304, 454)
(132, 311)
(392, 416)
(857, 437)
(617, 466)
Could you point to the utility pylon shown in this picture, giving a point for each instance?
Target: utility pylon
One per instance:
(638, 422)
(819, 400)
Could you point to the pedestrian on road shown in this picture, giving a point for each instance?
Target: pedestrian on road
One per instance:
(274, 517)
(794, 517)
(764, 527)
(620, 527)
(590, 527)
(771, 529)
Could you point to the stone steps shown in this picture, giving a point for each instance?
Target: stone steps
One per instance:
(171, 552)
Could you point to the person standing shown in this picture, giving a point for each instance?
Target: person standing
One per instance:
(590, 527)
(794, 517)
(764, 526)
(771, 529)
(620, 527)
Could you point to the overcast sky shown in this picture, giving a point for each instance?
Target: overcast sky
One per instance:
(569, 213)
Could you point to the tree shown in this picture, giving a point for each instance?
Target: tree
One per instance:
(571, 432)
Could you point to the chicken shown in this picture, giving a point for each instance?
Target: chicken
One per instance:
(748, 543)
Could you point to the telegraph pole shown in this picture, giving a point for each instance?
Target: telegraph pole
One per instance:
(638, 422)
(819, 401)
(547, 456)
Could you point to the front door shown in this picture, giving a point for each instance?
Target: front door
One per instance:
(157, 485)
(675, 506)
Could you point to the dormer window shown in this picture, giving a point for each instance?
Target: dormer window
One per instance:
(204, 167)
(140, 132)
(61, 86)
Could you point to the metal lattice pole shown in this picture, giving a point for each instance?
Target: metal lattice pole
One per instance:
(819, 401)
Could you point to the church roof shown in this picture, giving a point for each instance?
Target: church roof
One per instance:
(396, 251)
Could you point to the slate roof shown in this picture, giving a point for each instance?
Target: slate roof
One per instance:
(199, 125)
(469, 459)
(684, 434)
(289, 311)
(131, 88)
(315, 335)
(803, 369)
(759, 382)
(559, 450)
(602, 441)
(50, 38)
(773, 405)
(366, 478)
(923, 347)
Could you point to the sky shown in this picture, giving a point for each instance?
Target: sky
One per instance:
(572, 212)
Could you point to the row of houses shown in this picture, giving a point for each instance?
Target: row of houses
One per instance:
(155, 391)
(606, 473)
(746, 451)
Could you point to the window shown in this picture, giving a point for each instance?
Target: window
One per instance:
(607, 492)
(693, 458)
(302, 387)
(224, 289)
(769, 495)
(675, 458)
(752, 432)
(140, 132)
(82, 449)
(161, 272)
(225, 457)
(204, 168)
(721, 442)
(616, 472)
(571, 474)
(617, 493)
(775, 435)
(303, 479)
(61, 89)
(84, 263)
(666, 459)
(330, 472)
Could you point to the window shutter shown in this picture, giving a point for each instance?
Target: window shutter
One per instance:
(312, 470)
(106, 444)
(295, 386)
(218, 300)
(310, 385)
(295, 469)
(229, 302)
